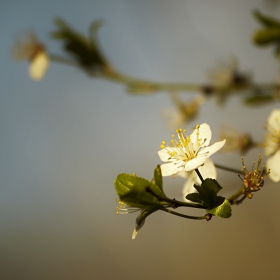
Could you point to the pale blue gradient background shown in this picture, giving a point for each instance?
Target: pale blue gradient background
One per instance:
(64, 140)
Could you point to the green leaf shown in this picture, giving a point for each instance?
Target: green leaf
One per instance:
(208, 198)
(133, 191)
(207, 193)
(211, 185)
(223, 209)
(195, 197)
(266, 20)
(158, 177)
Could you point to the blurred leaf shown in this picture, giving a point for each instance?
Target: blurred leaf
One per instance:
(258, 99)
(267, 36)
(266, 20)
(84, 50)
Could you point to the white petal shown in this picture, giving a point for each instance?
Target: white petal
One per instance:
(39, 66)
(194, 163)
(208, 170)
(208, 151)
(134, 234)
(273, 163)
(270, 146)
(274, 119)
(164, 153)
(168, 169)
(204, 133)
(188, 186)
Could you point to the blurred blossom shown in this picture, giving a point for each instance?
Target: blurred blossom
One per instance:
(31, 49)
(189, 152)
(208, 170)
(183, 111)
(225, 77)
(272, 145)
(235, 141)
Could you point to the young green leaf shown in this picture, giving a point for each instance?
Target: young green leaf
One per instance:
(223, 209)
(138, 192)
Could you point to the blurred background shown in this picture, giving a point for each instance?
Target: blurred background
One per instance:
(63, 141)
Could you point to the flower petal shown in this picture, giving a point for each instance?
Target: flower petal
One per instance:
(270, 146)
(273, 119)
(164, 154)
(194, 163)
(188, 186)
(168, 169)
(212, 149)
(39, 66)
(273, 163)
(204, 133)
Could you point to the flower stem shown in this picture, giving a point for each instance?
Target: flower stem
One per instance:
(233, 199)
(184, 216)
(173, 202)
(199, 175)
(228, 168)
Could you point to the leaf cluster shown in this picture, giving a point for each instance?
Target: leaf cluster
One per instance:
(207, 196)
(269, 34)
(85, 50)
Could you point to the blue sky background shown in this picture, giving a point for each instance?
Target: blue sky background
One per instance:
(63, 141)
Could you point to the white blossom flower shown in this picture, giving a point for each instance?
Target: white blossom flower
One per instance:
(183, 111)
(272, 145)
(208, 170)
(189, 152)
(32, 50)
(225, 77)
(235, 140)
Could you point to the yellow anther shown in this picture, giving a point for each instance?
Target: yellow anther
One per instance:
(163, 142)
(162, 146)
(197, 126)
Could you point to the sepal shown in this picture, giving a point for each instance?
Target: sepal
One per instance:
(140, 220)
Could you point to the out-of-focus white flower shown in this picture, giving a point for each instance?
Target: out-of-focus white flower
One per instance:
(225, 77)
(235, 141)
(189, 152)
(31, 49)
(272, 145)
(208, 170)
(183, 111)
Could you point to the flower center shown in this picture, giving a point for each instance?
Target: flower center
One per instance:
(185, 148)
